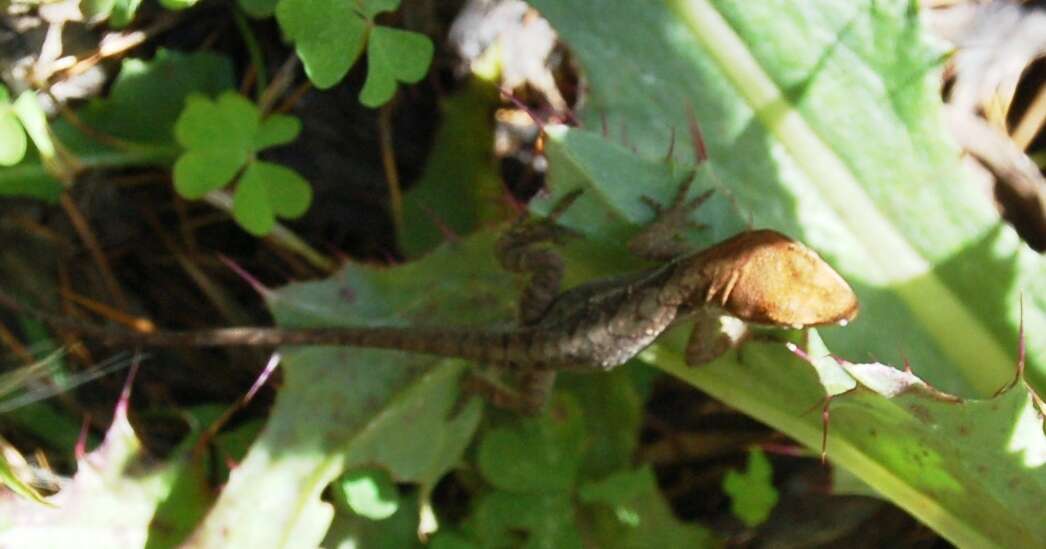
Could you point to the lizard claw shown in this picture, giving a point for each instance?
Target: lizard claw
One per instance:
(684, 188)
(652, 203)
(696, 202)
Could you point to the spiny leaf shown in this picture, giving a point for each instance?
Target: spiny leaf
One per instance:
(937, 273)
(460, 190)
(342, 408)
(118, 498)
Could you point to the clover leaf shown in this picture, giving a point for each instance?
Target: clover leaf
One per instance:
(752, 493)
(393, 55)
(267, 190)
(329, 36)
(222, 138)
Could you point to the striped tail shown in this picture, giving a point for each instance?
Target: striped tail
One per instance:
(488, 346)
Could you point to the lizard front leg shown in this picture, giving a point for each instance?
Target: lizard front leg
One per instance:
(714, 331)
(661, 239)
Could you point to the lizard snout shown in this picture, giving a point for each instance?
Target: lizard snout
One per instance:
(767, 278)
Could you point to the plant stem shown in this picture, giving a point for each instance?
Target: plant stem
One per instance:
(253, 51)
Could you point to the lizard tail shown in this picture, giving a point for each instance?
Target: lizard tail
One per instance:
(489, 346)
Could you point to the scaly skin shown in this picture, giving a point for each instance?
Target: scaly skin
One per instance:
(598, 325)
(760, 277)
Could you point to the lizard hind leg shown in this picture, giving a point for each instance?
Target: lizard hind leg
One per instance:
(527, 396)
(661, 239)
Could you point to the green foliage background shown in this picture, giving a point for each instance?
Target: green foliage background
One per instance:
(822, 120)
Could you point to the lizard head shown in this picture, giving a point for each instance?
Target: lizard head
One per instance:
(765, 277)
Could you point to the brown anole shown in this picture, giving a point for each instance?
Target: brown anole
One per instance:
(759, 276)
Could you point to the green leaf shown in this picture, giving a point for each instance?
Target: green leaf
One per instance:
(545, 451)
(342, 407)
(176, 5)
(230, 122)
(242, 115)
(460, 190)
(833, 377)
(882, 197)
(399, 531)
(221, 136)
(612, 411)
(118, 497)
(374, 7)
(251, 206)
(450, 539)
(232, 444)
(545, 520)
(368, 492)
(277, 129)
(33, 119)
(628, 511)
(618, 487)
(393, 55)
(259, 9)
(13, 142)
(197, 173)
(123, 12)
(878, 217)
(200, 124)
(157, 88)
(328, 35)
(289, 194)
(752, 493)
(266, 190)
(13, 482)
(96, 9)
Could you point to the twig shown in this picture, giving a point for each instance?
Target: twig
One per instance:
(250, 42)
(119, 43)
(388, 160)
(83, 229)
(283, 80)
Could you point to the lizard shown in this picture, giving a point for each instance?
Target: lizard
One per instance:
(757, 276)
